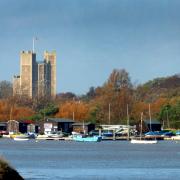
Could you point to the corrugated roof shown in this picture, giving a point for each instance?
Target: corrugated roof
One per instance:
(153, 121)
(81, 124)
(3, 124)
(63, 120)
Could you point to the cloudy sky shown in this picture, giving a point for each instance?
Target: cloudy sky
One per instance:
(92, 37)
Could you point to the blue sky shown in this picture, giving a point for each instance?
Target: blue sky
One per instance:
(92, 37)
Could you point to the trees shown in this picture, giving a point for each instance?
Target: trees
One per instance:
(112, 98)
(6, 90)
(169, 115)
(49, 110)
(119, 78)
(76, 110)
(12, 111)
(102, 105)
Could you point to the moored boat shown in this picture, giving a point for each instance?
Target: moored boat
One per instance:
(82, 138)
(143, 141)
(21, 138)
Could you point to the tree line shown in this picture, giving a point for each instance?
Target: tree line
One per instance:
(106, 104)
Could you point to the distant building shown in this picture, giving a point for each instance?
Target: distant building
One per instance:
(50, 60)
(36, 79)
(16, 85)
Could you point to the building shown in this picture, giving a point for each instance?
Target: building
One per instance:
(154, 125)
(84, 128)
(36, 79)
(50, 60)
(13, 126)
(16, 85)
(3, 128)
(28, 74)
(57, 124)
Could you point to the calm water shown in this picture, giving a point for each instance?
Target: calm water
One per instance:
(104, 160)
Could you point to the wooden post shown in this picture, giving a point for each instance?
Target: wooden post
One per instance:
(99, 131)
(114, 135)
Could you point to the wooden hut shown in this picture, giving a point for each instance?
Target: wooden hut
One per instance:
(83, 127)
(58, 124)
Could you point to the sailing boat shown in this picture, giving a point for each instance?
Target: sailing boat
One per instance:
(140, 140)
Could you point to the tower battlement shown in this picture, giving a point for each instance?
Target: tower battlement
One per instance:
(36, 78)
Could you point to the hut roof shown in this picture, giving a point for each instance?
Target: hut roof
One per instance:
(81, 124)
(63, 120)
(153, 121)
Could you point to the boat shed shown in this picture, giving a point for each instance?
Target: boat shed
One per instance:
(13, 126)
(154, 125)
(3, 128)
(26, 126)
(58, 124)
(80, 127)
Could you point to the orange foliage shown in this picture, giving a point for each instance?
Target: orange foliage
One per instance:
(79, 109)
(144, 107)
(137, 109)
(9, 111)
(21, 113)
(156, 106)
(4, 110)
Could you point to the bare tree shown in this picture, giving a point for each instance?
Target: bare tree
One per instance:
(119, 78)
(6, 90)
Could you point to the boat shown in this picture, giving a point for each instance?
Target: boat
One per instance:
(21, 138)
(83, 138)
(143, 141)
(140, 140)
(58, 134)
(177, 136)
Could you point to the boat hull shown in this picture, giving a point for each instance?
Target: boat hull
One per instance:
(87, 139)
(21, 139)
(138, 141)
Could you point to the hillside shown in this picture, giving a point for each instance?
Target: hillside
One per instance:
(160, 87)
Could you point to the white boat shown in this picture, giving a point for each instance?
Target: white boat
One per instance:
(51, 136)
(21, 138)
(140, 140)
(175, 137)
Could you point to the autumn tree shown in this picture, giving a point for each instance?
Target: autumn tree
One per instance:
(112, 98)
(76, 110)
(5, 89)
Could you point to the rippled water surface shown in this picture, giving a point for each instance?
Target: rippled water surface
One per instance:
(89, 160)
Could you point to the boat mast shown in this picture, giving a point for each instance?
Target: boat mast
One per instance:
(128, 122)
(141, 125)
(83, 127)
(109, 113)
(109, 116)
(150, 118)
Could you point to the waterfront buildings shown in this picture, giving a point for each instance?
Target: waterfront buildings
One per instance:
(36, 79)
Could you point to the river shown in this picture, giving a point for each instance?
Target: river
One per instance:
(89, 160)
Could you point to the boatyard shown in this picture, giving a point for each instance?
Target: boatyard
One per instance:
(67, 130)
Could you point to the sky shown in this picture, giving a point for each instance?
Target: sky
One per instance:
(93, 37)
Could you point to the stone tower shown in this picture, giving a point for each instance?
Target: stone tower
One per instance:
(50, 60)
(28, 74)
(36, 79)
